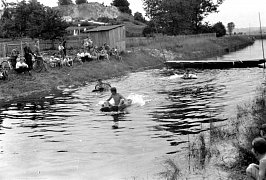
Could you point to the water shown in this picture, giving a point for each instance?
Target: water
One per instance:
(66, 137)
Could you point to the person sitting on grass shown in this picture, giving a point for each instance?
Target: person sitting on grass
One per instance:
(78, 57)
(263, 131)
(94, 54)
(55, 61)
(87, 56)
(107, 48)
(103, 54)
(258, 171)
(114, 52)
(118, 99)
(100, 86)
(21, 66)
(3, 75)
(13, 58)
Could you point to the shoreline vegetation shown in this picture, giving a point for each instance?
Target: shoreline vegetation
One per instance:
(133, 59)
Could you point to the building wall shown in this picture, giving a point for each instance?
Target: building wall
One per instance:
(114, 38)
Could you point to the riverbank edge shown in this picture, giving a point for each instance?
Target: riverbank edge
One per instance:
(41, 84)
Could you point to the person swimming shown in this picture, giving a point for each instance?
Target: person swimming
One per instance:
(188, 75)
(100, 86)
(119, 102)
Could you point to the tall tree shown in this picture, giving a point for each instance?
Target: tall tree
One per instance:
(81, 1)
(64, 2)
(138, 16)
(180, 16)
(230, 27)
(219, 29)
(201, 9)
(122, 5)
(172, 16)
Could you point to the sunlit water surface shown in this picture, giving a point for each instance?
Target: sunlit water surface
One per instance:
(66, 137)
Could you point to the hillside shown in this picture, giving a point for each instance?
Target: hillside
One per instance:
(92, 10)
(133, 28)
(96, 10)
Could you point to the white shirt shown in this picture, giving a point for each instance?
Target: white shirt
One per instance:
(21, 64)
(60, 47)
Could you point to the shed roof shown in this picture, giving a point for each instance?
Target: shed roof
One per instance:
(104, 28)
(77, 28)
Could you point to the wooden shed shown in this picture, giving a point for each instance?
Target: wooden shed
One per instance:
(114, 36)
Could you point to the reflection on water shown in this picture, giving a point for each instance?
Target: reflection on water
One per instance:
(65, 136)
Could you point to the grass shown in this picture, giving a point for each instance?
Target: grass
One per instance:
(196, 48)
(172, 171)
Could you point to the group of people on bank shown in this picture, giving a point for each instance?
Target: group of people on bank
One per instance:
(22, 63)
(93, 52)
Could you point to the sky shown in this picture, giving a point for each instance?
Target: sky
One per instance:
(243, 13)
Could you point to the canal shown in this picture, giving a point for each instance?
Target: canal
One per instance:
(65, 136)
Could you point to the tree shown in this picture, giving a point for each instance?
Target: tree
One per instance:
(64, 2)
(122, 5)
(180, 16)
(205, 28)
(230, 27)
(219, 29)
(138, 16)
(149, 30)
(81, 1)
(52, 27)
(33, 20)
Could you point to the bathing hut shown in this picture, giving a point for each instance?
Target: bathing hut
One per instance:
(114, 36)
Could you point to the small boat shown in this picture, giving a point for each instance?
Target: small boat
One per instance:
(107, 108)
(213, 64)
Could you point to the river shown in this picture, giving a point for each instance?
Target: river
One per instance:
(64, 136)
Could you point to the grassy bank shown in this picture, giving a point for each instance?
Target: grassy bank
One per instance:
(240, 132)
(134, 59)
(198, 48)
(228, 146)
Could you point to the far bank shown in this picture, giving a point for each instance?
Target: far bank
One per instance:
(134, 58)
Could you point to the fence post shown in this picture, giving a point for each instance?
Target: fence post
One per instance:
(4, 49)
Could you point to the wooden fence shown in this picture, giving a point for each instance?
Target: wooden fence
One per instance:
(76, 42)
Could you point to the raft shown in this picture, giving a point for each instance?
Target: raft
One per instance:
(107, 108)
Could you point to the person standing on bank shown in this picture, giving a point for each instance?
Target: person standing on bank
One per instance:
(37, 48)
(64, 45)
(61, 51)
(28, 55)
